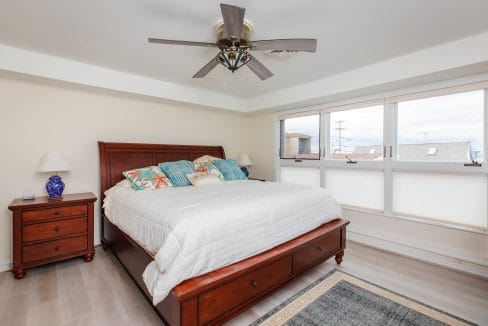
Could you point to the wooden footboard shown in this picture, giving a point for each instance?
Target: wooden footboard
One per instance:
(216, 297)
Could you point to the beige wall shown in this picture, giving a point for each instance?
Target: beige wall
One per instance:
(261, 145)
(39, 116)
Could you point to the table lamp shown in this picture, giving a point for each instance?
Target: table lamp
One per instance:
(54, 162)
(244, 161)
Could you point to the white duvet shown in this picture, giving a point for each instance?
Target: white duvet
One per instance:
(195, 230)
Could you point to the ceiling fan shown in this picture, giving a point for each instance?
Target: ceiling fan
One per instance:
(233, 40)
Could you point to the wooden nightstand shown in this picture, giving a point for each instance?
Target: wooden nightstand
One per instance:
(47, 231)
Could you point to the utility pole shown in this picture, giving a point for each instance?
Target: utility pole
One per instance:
(339, 129)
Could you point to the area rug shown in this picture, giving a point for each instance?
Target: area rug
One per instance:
(342, 299)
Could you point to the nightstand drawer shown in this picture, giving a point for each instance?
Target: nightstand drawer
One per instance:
(53, 248)
(53, 213)
(49, 230)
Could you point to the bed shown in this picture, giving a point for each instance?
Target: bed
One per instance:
(220, 294)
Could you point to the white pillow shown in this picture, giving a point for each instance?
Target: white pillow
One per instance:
(206, 159)
(200, 179)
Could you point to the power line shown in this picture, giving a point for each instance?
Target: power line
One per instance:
(339, 129)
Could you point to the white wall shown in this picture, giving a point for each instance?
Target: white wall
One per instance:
(462, 250)
(38, 115)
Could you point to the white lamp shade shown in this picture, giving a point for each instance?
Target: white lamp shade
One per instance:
(244, 160)
(53, 162)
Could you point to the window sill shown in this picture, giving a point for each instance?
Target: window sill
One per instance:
(421, 220)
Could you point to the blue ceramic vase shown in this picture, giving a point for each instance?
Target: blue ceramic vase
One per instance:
(55, 187)
(245, 170)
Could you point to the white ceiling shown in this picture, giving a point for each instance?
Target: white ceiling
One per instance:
(351, 34)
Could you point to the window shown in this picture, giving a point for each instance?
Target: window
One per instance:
(303, 176)
(407, 156)
(300, 137)
(358, 188)
(459, 199)
(442, 129)
(357, 134)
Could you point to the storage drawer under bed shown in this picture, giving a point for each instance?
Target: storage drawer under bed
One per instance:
(316, 251)
(228, 296)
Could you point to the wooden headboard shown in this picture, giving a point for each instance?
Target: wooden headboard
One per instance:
(116, 158)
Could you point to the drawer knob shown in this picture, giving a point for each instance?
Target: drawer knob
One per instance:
(57, 213)
(56, 228)
(254, 283)
(319, 248)
(56, 248)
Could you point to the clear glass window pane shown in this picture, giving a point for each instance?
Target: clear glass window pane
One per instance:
(359, 188)
(303, 176)
(357, 134)
(300, 137)
(442, 129)
(459, 199)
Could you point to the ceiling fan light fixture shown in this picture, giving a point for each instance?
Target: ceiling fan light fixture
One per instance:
(234, 43)
(233, 58)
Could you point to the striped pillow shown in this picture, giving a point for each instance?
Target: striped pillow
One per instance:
(230, 170)
(177, 171)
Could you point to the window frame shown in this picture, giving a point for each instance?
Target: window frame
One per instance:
(390, 163)
(283, 117)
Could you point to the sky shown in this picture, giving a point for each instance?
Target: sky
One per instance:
(450, 118)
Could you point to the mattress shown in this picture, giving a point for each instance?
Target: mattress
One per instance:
(194, 230)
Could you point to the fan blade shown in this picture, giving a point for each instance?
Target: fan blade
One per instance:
(233, 20)
(174, 42)
(207, 68)
(298, 44)
(259, 69)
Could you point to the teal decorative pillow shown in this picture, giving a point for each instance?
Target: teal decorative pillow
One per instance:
(210, 168)
(177, 171)
(230, 170)
(147, 178)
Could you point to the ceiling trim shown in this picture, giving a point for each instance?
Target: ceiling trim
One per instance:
(465, 52)
(38, 64)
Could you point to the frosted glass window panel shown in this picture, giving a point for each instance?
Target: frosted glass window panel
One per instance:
(300, 137)
(445, 128)
(302, 176)
(460, 199)
(359, 188)
(357, 133)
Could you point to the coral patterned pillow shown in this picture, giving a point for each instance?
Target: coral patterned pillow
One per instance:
(206, 167)
(147, 178)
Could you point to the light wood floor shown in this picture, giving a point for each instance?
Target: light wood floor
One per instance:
(101, 293)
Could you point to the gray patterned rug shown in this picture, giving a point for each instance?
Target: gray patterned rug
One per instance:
(342, 299)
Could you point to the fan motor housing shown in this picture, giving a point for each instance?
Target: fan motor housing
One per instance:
(221, 32)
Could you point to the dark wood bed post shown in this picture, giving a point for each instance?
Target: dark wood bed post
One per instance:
(340, 253)
(103, 164)
(215, 297)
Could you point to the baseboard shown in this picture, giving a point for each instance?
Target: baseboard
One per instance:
(470, 265)
(5, 265)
